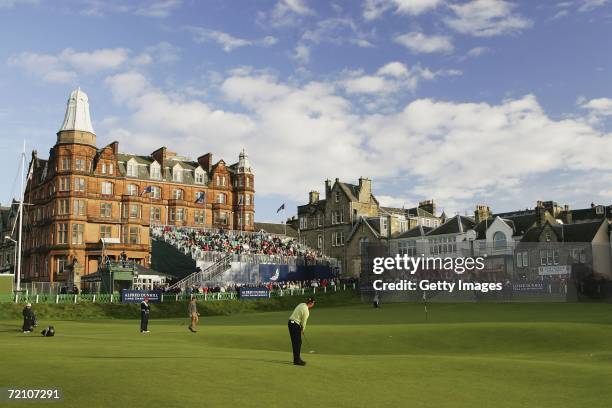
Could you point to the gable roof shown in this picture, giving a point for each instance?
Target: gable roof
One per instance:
(417, 231)
(362, 221)
(456, 225)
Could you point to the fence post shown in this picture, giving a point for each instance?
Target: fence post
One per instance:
(344, 286)
(111, 298)
(161, 298)
(314, 290)
(335, 288)
(302, 291)
(353, 286)
(75, 298)
(56, 298)
(94, 298)
(16, 297)
(36, 298)
(176, 298)
(281, 292)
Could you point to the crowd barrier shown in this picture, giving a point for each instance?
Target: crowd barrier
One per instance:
(166, 297)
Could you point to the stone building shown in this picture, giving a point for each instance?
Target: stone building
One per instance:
(349, 217)
(8, 216)
(85, 200)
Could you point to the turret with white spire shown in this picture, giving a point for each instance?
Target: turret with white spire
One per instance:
(77, 127)
(244, 166)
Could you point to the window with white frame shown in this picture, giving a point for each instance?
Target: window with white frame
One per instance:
(155, 171)
(79, 164)
(132, 189)
(106, 187)
(79, 184)
(155, 192)
(303, 222)
(177, 174)
(177, 194)
(199, 176)
(132, 168)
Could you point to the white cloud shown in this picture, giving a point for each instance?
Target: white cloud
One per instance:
(148, 8)
(373, 9)
(421, 43)
(64, 67)
(160, 8)
(588, 5)
(302, 54)
(478, 51)
(455, 152)
(285, 13)
(486, 18)
(47, 67)
(600, 106)
(336, 31)
(13, 3)
(163, 52)
(94, 61)
(229, 42)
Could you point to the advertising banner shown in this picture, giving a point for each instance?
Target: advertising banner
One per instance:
(137, 296)
(253, 293)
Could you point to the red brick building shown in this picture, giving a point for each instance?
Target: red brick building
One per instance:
(82, 194)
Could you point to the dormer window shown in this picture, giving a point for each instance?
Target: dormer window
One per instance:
(177, 174)
(132, 168)
(199, 175)
(155, 171)
(337, 196)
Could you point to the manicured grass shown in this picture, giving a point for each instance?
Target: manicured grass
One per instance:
(466, 355)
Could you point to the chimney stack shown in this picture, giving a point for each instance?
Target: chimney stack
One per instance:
(327, 188)
(313, 197)
(365, 189)
(540, 213)
(428, 205)
(483, 212)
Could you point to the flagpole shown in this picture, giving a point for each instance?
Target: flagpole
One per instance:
(21, 218)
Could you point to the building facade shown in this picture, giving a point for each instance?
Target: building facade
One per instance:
(350, 216)
(85, 202)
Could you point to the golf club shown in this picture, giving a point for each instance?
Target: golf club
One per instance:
(307, 343)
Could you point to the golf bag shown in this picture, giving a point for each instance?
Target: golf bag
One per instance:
(48, 332)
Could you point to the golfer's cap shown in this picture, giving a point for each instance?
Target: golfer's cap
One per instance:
(310, 300)
(28, 305)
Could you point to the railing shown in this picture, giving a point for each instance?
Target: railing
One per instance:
(23, 298)
(206, 275)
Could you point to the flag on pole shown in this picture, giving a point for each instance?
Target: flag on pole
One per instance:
(200, 197)
(282, 207)
(147, 189)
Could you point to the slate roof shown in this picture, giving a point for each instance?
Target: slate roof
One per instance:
(456, 225)
(579, 232)
(276, 228)
(144, 168)
(417, 231)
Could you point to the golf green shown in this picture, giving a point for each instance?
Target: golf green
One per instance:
(465, 355)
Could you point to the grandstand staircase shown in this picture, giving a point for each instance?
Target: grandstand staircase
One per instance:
(207, 275)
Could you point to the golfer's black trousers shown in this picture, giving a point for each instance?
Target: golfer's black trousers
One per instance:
(144, 321)
(295, 332)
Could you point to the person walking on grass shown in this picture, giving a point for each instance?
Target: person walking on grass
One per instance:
(144, 315)
(297, 325)
(193, 314)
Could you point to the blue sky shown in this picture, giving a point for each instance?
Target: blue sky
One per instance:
(466, 102)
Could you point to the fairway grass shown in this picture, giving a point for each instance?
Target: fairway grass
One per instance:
(465, 355)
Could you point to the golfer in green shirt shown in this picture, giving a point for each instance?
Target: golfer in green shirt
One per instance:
(297, 325)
